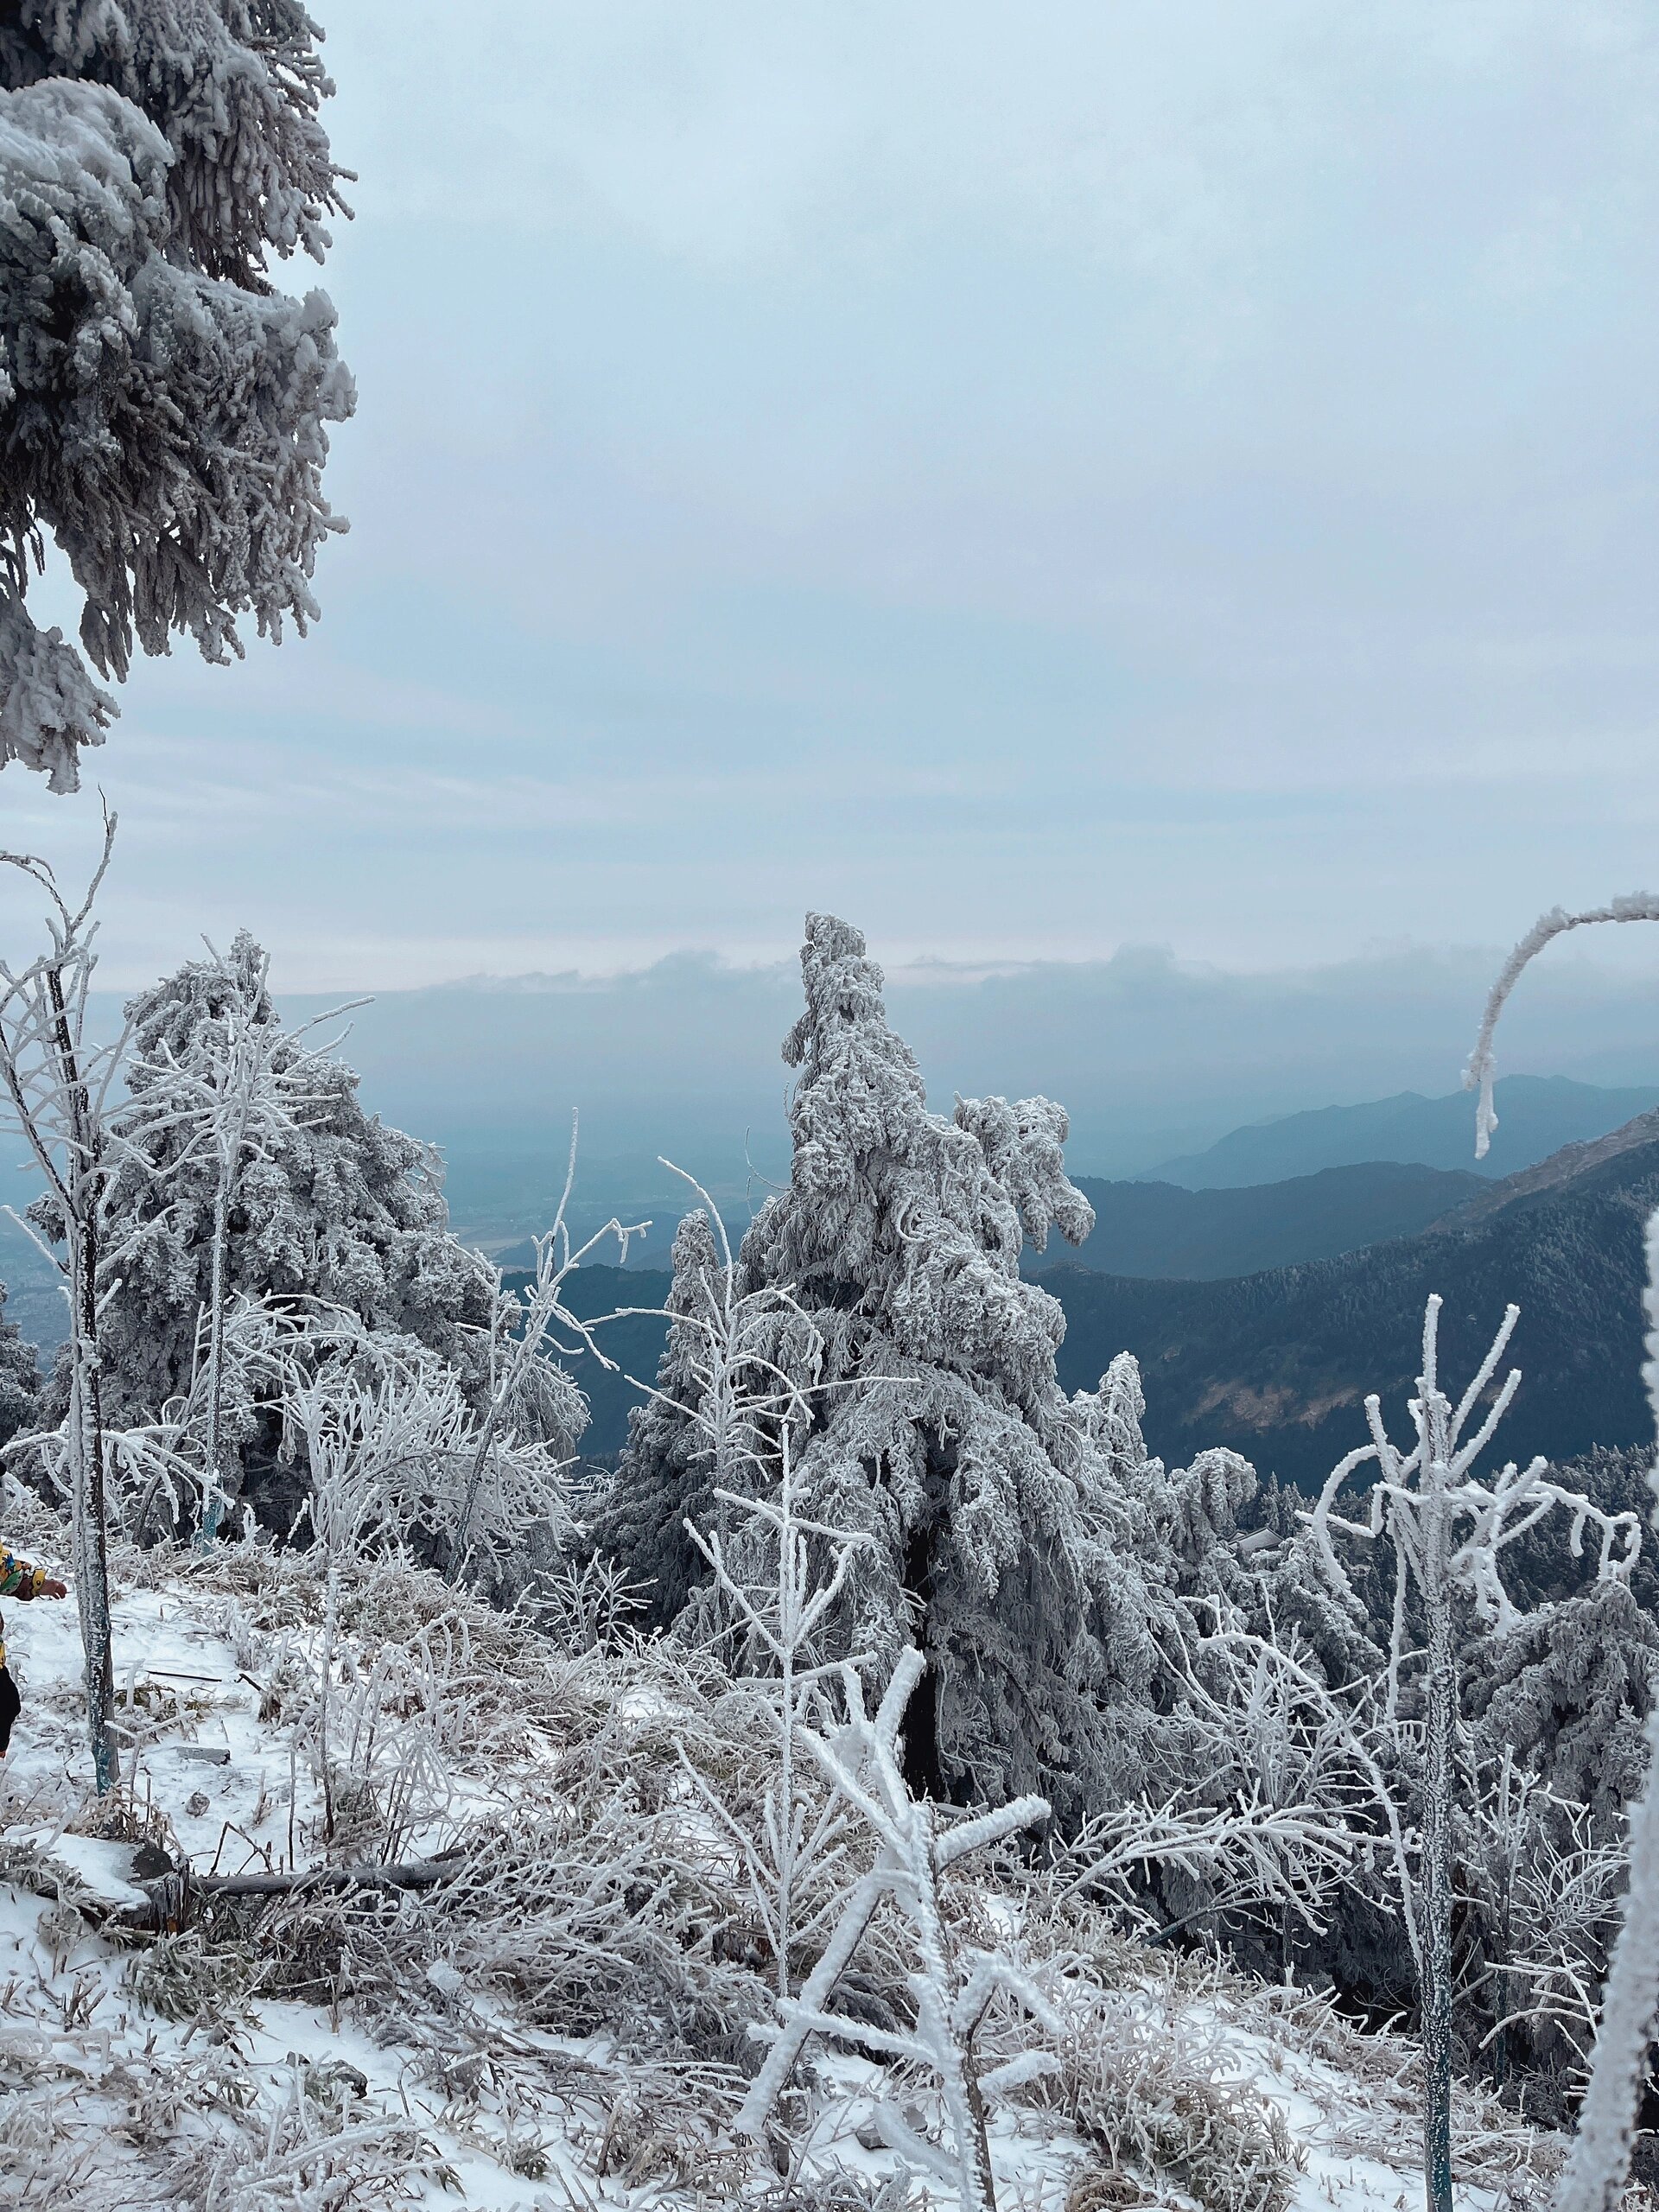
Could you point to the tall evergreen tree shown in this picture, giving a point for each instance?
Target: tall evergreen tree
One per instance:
(999, 1539)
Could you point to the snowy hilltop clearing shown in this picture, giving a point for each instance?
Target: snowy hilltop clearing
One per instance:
(878, 1783)
(548, 1994)
(848, 1796)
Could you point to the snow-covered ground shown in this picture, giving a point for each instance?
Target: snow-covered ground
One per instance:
(567, 2025)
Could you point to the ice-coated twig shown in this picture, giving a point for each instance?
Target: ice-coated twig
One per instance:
(1634, 906)
(544, 1322)
(1449, 1530)
(860, 1762)
(1482, 1518)
(780, 1618)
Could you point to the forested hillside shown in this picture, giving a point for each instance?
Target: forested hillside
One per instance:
(1164, 1230)
(1277, 1365)
(1275, 1362)
(543, 1590)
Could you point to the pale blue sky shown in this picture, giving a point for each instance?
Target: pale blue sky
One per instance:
(1036, 479)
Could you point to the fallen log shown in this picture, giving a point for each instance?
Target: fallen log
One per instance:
(409, 1874)
(169, 1902)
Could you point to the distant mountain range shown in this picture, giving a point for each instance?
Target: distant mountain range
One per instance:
(1277, 1364)
(1161, 1231)
(1262, 1312)
(1537, 1115)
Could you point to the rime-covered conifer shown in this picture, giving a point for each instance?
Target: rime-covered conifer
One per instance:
(669, 1474)
(19, 1377)
(1000, 1542)
(332, 1207)
(163, 405)
(1567, 1691)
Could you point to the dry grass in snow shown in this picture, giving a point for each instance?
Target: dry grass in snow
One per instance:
(567, 2018)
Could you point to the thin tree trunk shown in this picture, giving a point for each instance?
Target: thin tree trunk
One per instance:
(1442, 1711)
(213, 1510)
(786, 1813)
(91, 1559)
(330, 1629)
(474, 1482)
(86, 1418)
(1595, 2173)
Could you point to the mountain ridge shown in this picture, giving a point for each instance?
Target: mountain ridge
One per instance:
(1537, 1116)
(1164, 1231)
(1277, 1364)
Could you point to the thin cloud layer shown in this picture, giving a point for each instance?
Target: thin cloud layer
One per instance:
(1150, 1055)
(1033, 483)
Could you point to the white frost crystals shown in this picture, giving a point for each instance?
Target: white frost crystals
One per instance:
(163, 409)
(1601, 2152)
(1632, 906)
(1447, 1531)
(859, 1759)
(1426, 1495)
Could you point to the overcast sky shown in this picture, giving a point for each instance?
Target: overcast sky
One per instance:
(1036, 479)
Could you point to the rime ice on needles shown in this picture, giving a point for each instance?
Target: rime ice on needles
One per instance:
(162, 407)
(237, 1087)
(49, 707)
(1000, 1540)
(322, 1207)
(860, 1760)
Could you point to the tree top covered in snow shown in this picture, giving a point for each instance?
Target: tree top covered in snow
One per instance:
(162, 407)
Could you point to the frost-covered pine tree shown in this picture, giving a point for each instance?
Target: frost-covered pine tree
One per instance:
(999, 1543)
(331, 1207)
(235, 1090)
(1567, 1692)
(19, 1377)
(163, 405)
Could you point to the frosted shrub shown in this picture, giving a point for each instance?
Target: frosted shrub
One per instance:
(1449, 1530)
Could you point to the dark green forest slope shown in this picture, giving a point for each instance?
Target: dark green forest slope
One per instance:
(1161, 1229)
(1278, 1364)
